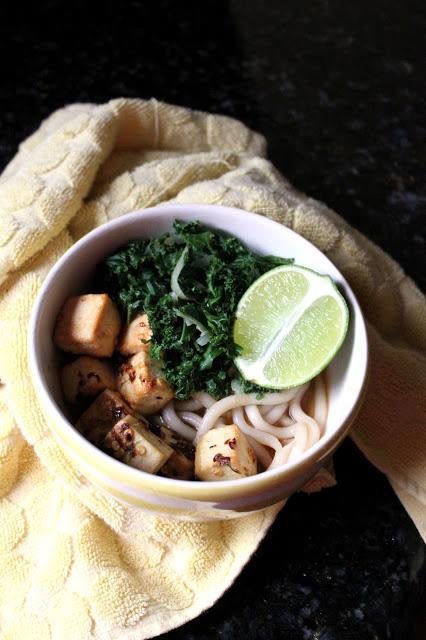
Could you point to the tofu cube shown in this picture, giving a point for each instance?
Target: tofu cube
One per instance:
(141, 385)
(108, 408)
(174, 440)
(131, 442)
(134, 336)
(86, 377)
(178, 467)
(224, 454)
(88, 325)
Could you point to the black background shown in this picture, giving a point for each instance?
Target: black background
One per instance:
(337, 89)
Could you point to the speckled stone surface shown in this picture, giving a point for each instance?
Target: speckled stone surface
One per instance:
(337, 89)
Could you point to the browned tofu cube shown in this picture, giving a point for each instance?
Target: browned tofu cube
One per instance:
(86, 377)
(174, 440)
(178, 467)
(88, 325)
(224, 454)
(134, 337)
(141, 385)
(108, 408)
(131, 442)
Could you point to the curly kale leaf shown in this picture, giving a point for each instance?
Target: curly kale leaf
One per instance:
(217, 270)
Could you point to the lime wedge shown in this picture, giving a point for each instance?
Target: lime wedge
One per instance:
(289, 324)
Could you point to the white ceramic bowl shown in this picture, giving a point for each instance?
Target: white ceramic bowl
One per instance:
(73, 274)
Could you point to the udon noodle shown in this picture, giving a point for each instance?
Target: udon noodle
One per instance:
(280, 426)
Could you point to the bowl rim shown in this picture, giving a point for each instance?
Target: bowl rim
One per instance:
(136, 477)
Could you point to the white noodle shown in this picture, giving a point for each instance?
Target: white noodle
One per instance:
(300, 441)
(200, 400)
(299, 415)
(281, 457)
(293, 449)
(257, 421)
(274, 414)
(172, 420)
(205, 398)
(192, 404)
(232, 402)
(261, 452)
(286, 421)
(193, 419)
(265, 409)
(277, 427)
(259, 436)
(320, 411)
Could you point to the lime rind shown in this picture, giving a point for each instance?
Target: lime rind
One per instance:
(320, 286)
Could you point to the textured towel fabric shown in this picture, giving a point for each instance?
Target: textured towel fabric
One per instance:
(75, 563)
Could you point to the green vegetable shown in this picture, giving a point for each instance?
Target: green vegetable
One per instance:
(189, 283)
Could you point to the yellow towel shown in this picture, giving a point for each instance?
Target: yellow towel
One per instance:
(75, 564)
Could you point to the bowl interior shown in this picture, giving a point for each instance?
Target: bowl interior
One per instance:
(74, 272)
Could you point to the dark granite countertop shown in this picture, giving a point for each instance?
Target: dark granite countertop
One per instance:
(336, 87)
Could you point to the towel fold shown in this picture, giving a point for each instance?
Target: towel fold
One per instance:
(76, 564)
